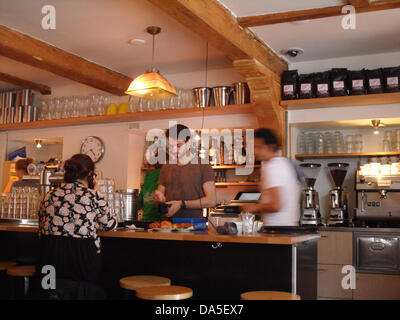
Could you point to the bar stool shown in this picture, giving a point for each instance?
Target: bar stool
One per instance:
(27, 272)
(132, 283)
(269, 295)
(4, 265)
(164, 293)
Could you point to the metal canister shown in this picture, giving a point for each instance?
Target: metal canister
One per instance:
(34, 113)
(221, 95)
(130, 197)
(241, 93)
(202, 96)
(26, 97)
(19, 109)
(11, 115)
(4, 116)
(28, 110)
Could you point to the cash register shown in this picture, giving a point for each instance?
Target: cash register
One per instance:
(235, 205)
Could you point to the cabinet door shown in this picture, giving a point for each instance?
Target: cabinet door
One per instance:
(377, 287)
(330, 282)
(335, 248)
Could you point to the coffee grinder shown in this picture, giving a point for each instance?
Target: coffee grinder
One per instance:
(338, 213)
(310, 213)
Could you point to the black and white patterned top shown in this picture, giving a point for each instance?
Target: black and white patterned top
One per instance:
(74, 210)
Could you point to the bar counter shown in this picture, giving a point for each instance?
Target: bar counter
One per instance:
(215, 266)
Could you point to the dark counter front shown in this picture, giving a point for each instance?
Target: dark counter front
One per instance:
(216, 267)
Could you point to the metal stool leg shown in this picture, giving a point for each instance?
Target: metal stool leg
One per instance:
(26, 286)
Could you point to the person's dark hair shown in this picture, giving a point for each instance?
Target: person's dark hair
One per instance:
(178, 128)
(268, 137)
(22, 164)
(78, 167)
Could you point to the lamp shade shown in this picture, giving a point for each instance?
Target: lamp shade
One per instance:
(151, 85)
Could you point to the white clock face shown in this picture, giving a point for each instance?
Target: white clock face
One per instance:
(93, 147)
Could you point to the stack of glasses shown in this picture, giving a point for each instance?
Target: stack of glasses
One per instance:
(391, 141)
(326, 143)
(114, 199)
(20, 203)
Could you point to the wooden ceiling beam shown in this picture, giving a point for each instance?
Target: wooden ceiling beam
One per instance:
(360, 3)
(216, 24)
(26, 84)
(28, 50)
(310, 14)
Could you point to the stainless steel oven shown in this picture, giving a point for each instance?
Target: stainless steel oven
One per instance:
(377, 252)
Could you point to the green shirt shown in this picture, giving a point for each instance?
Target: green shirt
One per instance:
(146, 201)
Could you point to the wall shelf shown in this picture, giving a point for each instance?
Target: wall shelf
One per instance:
(303, 157)
(223, 167)
(238, 184)
(346, 101)
(132, 117)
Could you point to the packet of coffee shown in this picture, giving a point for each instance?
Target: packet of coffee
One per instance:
(339, 85)
(357, 82)
(306, 86)
(322, 85)
(391, 79)
(289, 84)
(374, 81)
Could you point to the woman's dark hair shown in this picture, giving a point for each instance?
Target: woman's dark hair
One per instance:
(268, 137)
(78, 167)
(22, 164)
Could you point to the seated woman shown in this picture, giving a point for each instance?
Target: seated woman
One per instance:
(68, 221)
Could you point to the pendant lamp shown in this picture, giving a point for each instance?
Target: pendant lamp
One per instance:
(151, 84)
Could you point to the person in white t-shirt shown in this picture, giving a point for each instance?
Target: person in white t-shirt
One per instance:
(279, 203)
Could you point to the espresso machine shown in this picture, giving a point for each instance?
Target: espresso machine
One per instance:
(47, 176)
(310, 213)
(338, 206)
(378, 195)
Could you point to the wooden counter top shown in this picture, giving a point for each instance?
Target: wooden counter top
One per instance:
(207, 236)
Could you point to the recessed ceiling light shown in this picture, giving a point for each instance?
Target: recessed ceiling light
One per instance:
(38, 58)
(136, 42)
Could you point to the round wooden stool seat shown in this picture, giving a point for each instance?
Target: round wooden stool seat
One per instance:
(269, 295)
(22, 271)
(136, 282)
(4, 265)
(164, 293)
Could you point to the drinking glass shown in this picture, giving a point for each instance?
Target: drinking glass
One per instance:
(320, 143)
(386, 145)
(93, 103)
(247, 222)
(44, 110)
(328, 145)
(57, 108)
(301, 143)
(310, 143)
(63, 108)
(134, 103)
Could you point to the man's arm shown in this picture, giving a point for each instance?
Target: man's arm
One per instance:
(159, 194)
(208, 201)
(272, 205)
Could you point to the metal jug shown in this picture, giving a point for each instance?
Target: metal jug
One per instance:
(202, 96)
(130, 197)
(221, 95)
(241, 93)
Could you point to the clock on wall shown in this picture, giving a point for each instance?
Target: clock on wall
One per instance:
(93, 147)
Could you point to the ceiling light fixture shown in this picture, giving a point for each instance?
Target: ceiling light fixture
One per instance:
(38, 143)
(376, 124)
(151, 85)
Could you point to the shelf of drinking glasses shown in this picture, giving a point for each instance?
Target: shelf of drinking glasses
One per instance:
(220, 167)
(236, 184)
(346, 155)
(345, 101)
(132, 117)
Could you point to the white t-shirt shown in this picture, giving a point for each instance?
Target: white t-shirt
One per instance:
(279, 172)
